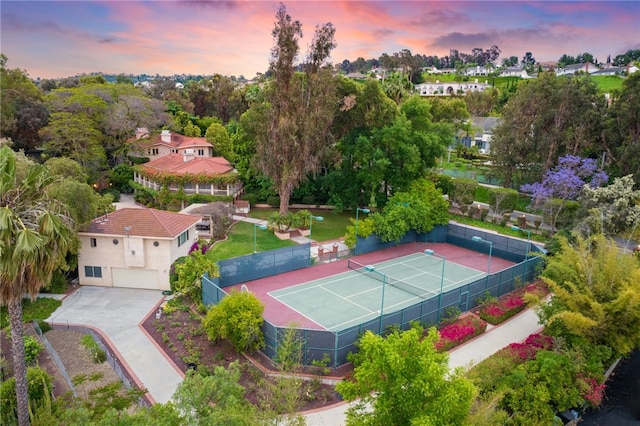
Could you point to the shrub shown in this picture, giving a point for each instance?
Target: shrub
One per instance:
(463, 190)
(238, 318)
(98, 355)
(38, 390)
(32, 349)
(251, 198)
(57, 285)
(503, 199)
(456, 333)
(308, 199)
(443, 182)
(502, 309)
(273, 201)
(290, 350)
(489, 374)
(114, 193)
(208, 198)
(539, 388)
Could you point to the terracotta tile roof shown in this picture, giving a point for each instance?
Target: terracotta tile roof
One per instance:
(142, 223)
(177, 141)
(175, 163)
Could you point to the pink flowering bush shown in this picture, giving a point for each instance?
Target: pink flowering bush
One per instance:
(458, 332)
(502, 309)
(495, 311)
(591, 390)
(527, 350)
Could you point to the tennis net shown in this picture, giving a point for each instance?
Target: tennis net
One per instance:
(371, 272)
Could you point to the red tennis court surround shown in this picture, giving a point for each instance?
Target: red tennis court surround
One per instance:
(280, 314)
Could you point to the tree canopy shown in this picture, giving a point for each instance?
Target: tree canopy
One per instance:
(301, 107)
(402, 379)
(596, 294)
(35, 235)
(547, 117)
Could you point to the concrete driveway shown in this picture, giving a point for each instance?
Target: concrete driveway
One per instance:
(117, 313)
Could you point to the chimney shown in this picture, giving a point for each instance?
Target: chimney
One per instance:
(165, 136)
(141, 132)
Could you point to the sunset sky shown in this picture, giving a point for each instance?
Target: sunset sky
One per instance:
(52, 39)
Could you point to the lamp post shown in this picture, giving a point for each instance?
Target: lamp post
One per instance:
(372, 269)
(444, 260)
(311, 218)
(358, 209)
(490, 243)
(526, 254)
(255, 238)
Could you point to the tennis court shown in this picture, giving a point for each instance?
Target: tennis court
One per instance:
(344, 300)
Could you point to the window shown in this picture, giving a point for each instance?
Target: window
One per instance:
(93, 272)
(183, 238)
(174, 151)
(94, 242)
(155, 151)
(201, 152)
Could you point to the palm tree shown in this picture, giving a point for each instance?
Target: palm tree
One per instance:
(35, 235)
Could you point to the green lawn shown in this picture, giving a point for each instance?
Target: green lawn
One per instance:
(239, 242)
(38, 310)
(332, 227)
(608, 83)
(240, 236)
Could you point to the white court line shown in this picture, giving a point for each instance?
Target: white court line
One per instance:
(341, 297)
(362, 292)
(306, 286)
(422, 272)
(301, 314)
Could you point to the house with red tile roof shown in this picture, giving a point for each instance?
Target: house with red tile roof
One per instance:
(194, 175)
(159, 145)
(184, 163)
(134, 248)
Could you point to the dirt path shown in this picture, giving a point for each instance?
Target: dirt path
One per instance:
(77, 360)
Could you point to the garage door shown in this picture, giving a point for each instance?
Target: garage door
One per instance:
(135, 278)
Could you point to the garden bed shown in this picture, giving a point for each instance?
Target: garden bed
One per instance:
(182, 338)
(497, 310)
(460, 331)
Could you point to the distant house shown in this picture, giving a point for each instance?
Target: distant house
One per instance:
(191, 174)
(587, 68)
(356, 76)
(158, 145)
(514, 72)
(482, 135)
(450, 88)
(613, 70)
(134, 248)
(478, 71)
(434, 70)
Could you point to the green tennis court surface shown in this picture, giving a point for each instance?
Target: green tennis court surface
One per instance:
(351, 298)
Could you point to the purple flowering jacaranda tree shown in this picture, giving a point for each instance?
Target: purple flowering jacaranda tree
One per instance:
(563, 183)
